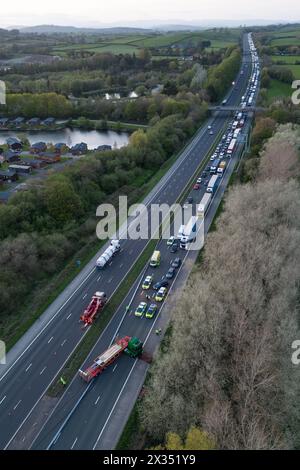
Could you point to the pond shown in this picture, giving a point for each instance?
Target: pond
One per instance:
(71, 137)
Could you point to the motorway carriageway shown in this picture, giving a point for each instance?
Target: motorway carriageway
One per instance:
(88, 420)
(84, 428)
(25, 383)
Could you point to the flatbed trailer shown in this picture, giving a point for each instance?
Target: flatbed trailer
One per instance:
(131, 346)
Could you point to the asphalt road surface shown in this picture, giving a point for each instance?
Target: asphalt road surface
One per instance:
(27, 379)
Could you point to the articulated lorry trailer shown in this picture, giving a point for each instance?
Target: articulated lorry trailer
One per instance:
(108, 254)
(131, 346)
(204, 205)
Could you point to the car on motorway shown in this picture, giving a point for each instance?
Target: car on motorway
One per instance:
(151, 311)
(159, 284)
(199, 180)
(224, 102)
(205, 183)
(174, 247)
(190, 200)
(176, 263)
(209, 128)
(196, 187)
(171, 241)
(161, 294)
(147, 282)
(141, 309)
(171, 273)
(211, 132)
(204, 174)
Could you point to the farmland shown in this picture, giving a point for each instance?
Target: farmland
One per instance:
(278, 89)
(133, 43)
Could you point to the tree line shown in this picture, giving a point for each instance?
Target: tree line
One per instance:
(43, 227)
(227, 369)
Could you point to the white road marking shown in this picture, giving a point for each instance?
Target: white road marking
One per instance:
(43, 370)
(50, 339)
(27, 369)
(97, 400)
(85, 295)
(74, 443)
(64, 341)
(109, 280)
(2, 399)
(16, 406)
(69, 316)
(121, 265)
(115, 367)
(98, 278)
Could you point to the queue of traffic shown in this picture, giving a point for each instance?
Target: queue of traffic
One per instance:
(154, 292)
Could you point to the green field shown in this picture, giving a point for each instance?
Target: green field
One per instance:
(162, 40)
(183, 39)
(289, 62)
(131, 44)
(296, 71)
(289, 40)
(278, 89)
(286, 59)
(114, 48)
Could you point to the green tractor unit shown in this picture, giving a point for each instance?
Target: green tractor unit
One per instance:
(134, 348)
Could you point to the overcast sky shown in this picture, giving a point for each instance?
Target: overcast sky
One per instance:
(99, 12)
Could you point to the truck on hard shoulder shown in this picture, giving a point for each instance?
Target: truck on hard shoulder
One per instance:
(95, 306)
(131, 346)
(213, 184)
(204, 205)
(108, 254)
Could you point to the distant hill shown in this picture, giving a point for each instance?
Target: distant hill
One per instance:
(53, 29)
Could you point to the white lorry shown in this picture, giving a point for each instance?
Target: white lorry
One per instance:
(189, 233)
(108, 254)
(203, 206)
